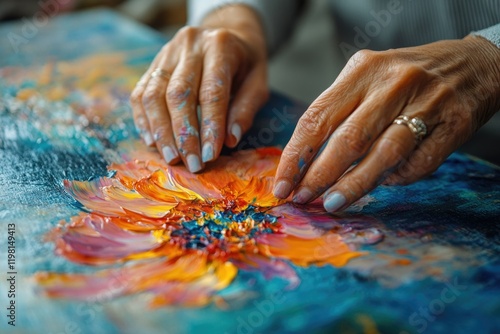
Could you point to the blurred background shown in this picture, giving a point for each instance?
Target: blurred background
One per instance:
(302, 68)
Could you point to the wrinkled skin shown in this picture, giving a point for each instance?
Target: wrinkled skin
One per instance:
(453, 86)
(221, 69)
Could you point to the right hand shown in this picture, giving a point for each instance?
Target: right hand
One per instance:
(220, 69)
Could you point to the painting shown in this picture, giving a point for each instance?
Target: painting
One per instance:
(101, 236)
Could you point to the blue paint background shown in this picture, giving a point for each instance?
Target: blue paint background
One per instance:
(458, 205)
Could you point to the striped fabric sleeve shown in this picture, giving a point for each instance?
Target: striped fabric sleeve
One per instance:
(492, 34)
(277, 16)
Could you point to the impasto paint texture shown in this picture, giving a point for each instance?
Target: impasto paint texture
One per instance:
(187, 235)
(110, 239)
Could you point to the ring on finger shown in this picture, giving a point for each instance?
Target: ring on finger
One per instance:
(159, 72)
(416, 125)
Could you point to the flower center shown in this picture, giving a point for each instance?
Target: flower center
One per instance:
(225, 231)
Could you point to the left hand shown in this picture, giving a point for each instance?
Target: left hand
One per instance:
(453, 86)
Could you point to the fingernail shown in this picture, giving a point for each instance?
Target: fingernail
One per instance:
(148, 139)
(282, 189)
(169, 154)
(207, 152)
(334, 201)
(193, 163)
(304, 195)
(236, 132)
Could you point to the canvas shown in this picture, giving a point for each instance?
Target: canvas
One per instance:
(107, 238)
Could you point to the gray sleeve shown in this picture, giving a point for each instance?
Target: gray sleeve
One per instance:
(277, 16)
(492, 34)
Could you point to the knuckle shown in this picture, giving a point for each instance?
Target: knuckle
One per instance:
(409, 70)
(212, 91)
(178, 91)
(353, 138)
(312, 123)
(404, 74)
(136, 96)
(364, 56)
(151, 95)
(221, 35)
(188, 32)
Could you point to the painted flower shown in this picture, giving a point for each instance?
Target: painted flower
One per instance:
(183, 237)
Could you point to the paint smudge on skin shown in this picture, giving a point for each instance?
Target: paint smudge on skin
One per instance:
(185, 236)
(184, 97)
(187, 130)
(302, 163)
(210, 132)
(181, 105)
(305, 158)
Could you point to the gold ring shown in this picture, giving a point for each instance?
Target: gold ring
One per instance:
(415, 124)
(160, 73)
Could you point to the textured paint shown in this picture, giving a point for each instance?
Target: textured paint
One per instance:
(199, 229)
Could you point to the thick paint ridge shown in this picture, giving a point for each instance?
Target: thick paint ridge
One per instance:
(183, 237)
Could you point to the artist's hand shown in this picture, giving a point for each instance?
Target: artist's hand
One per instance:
(452, 86)
(221, 67)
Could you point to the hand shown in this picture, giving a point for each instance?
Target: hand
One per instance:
(221, 69)
(453, 86)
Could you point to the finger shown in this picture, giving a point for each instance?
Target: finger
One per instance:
(324, 115)
(391, 149)
(214, 100)
(182, 99)
(155, 106)
(429, 155)
(140, 119)
(349, 142)
(250, 97)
